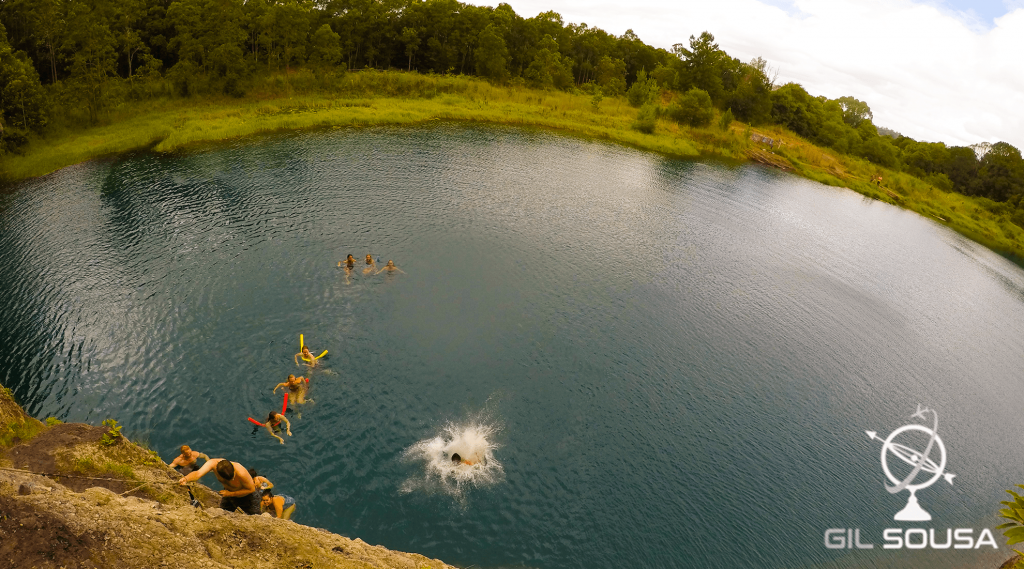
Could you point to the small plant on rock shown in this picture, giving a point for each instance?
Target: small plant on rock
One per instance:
(113, 435)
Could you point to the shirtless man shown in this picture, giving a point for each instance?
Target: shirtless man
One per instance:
(390, 267)
(186, 461)
(239, 490)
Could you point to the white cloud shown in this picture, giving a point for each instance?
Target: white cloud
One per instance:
(926, 71)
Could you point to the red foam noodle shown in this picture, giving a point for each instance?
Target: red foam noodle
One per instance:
(285, 406)
(255, 422)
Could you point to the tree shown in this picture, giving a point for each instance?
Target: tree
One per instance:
(286, 26)
(94, 59)
(22, 100)
(491, 54)
(642, 91)
(854, 111)
(703, 64)
(751, 99)
(1002, 172)
(547, 70)
(326, 47)
(611, 75)
(410, 37)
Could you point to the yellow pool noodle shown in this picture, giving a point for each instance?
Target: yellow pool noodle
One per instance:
(301, 345)
(304, 358)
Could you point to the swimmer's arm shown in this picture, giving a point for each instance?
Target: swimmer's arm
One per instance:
(202, 456)
(297, 358)
(285, 384)
(272, 433)
(400, 270)
(176, 461)
(277, 505)
(287, 424)
(246, 489)
(197, 474)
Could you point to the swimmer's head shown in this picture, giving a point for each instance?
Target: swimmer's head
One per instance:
(253, 472)
(350, 257)
(456, 459)
(225, 470)
(305, 351)
(369, 259)
(185, 450)
(391, 263)
(272, 416)
(268, 498)
(291, 377)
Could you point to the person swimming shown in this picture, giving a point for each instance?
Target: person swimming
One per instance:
(282, 506)
(307, 356)
(273, 425)
(371, 266)
(186, 461)
(348, 264)
(390, 267)
(297, 386)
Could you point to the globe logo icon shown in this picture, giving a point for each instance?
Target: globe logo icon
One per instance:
(927, 465)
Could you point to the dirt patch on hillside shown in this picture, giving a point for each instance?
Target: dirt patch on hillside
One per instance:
(33, 538)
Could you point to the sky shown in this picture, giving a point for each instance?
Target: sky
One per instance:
(935, 70)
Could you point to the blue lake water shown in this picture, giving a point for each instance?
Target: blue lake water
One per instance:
(670, 363)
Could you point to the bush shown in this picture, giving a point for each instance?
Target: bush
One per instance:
(643, 91)
(53, 421)
(726, 120)
(693, 108)
(646, 119)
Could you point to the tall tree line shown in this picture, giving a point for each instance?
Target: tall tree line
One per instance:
(68, 61)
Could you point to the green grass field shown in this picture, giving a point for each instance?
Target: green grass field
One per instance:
(305, 101)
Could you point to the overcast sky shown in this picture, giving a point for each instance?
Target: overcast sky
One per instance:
(935, 70)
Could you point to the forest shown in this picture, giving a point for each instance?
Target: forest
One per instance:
(64, 64)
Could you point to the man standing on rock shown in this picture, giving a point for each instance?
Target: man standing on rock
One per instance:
(239, 490)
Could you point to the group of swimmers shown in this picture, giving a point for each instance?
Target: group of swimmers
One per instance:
(244, 489)
(349, 265)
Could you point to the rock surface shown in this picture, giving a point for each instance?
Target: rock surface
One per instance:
(118, 506)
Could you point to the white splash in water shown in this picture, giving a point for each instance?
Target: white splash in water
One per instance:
(473, 442)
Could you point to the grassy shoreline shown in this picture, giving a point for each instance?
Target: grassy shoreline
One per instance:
(394, 99)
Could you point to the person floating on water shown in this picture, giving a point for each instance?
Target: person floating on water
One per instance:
(390, 267)
(307, 356)
(239, 490)
(186, 461)
(273, 425)
(371, 266)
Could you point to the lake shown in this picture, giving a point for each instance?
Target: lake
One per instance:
(653, 362)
